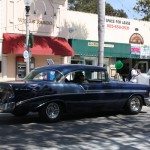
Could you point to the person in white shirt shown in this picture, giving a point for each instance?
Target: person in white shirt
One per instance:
(134, 74)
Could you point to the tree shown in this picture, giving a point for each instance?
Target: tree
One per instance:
(120, 13)
(91, 7)
(143, 7)
(84, 5)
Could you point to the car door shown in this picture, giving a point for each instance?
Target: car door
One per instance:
(102, 94)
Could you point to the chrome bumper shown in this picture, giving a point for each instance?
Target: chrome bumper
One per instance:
(7, 107)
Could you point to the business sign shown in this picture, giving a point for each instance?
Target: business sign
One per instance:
(135, 49)
(145, 52)
(26, 54)
(95, 44)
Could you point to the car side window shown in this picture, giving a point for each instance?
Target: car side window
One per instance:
(41, 76)
(48, 75)
(96, 76)
(76, 77)
(86, 76)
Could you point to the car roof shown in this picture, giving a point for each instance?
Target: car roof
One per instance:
(66, 68)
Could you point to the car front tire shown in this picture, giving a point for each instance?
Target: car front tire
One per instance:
(51, 112)
(134, 105)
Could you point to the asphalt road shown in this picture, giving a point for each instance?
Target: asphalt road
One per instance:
(111, 131)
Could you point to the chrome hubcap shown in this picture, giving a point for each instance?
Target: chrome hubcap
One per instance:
(52, 110)
(135, 104)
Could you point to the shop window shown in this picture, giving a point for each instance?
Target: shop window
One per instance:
(88, 62)
(77, 60)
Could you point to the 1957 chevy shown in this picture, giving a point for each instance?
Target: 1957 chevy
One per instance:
(58, 89)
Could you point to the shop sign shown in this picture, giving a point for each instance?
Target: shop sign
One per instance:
(95, 44)
(36, 21)
(26, 54)
(118, 24)
(145, 52)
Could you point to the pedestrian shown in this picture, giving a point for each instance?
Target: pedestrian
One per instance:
(134, 74)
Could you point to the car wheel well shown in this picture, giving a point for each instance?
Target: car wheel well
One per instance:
(52, 111)
(60, 102)
(141, 96)
(134, 104)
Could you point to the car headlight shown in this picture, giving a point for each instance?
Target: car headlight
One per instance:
(6, 94)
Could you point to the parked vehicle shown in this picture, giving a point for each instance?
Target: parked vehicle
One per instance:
(54, 90)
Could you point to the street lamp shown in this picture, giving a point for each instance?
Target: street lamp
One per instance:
(27, 8)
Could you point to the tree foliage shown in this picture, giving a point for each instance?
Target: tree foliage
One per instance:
(143, 7)
(91, 7)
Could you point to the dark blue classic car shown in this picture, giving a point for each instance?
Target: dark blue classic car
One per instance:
(58, 89)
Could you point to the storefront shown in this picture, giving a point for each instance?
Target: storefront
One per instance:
(86, 52)
(125, 39)
(44, 48)
(47, 24)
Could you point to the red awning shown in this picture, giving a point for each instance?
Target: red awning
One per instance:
(15, 44)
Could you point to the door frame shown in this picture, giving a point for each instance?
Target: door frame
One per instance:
(144, 62)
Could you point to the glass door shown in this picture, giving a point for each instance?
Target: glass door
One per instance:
(143, 66)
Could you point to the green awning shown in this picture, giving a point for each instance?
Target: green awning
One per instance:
(90, 48)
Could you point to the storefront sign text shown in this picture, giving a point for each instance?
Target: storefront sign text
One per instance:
(135, 49)
(38, 21)
(95, 44)
(117, 24)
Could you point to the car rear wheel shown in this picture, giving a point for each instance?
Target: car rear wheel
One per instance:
(134, 105)
(51, 112)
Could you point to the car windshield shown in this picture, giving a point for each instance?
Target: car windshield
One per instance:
(48, 75)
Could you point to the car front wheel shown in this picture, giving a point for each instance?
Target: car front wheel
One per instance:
(134, 105)
(51, 112)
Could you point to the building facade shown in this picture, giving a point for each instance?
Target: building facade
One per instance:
(47, 24)
(125, 39)
(68, 37)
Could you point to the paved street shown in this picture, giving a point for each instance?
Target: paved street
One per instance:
(97, 132)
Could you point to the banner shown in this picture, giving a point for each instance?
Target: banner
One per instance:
(135, 49)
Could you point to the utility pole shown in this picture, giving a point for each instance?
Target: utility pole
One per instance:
(101, 31)
(27, 8)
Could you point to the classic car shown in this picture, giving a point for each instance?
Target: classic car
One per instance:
(64, 88)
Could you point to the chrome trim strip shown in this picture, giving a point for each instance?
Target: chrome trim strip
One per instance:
(116, 91)
(85, 91)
